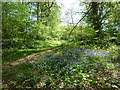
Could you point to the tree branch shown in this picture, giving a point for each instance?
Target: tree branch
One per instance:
(79, 21)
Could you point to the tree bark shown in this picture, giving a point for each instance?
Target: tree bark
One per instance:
(38, 12)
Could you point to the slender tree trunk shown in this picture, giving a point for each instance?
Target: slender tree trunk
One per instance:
(96, 16)
(38, 12)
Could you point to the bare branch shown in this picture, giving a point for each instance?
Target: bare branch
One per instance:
(79, 21)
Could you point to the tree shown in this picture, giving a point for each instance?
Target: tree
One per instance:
(95, 16)
(104, 18)
(25, 22)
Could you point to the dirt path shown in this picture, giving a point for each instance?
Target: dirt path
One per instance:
(31, 57)
(10, 69)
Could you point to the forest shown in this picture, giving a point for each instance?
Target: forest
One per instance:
(40, 52)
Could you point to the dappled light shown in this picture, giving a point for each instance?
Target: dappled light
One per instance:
(44, 47)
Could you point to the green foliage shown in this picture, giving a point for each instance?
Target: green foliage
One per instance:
(28, 29)
(71, 67)
(21, 30)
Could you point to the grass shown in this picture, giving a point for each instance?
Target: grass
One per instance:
(68, 68)
(11, 72)
(10, 55)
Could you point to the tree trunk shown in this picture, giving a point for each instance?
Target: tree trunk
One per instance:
(38, 12)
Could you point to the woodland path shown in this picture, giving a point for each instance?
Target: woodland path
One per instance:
(10, 69)
(31, 57)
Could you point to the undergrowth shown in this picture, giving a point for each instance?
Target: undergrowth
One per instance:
(72, 68)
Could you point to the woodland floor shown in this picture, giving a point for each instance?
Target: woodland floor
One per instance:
(10, 69)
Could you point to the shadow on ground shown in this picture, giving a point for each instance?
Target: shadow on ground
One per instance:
(13, 56)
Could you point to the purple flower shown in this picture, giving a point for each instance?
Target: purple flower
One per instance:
(74, 62)
(73, 77)
(109, 60)
(117, 65)
(108, 52)
(93, 73)
(78, 59)
(87, 61)
(84, 64)
(81, 61)
(96, 66)
(84, 57)
(109, 84)
(71, 72)
(105, 56)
